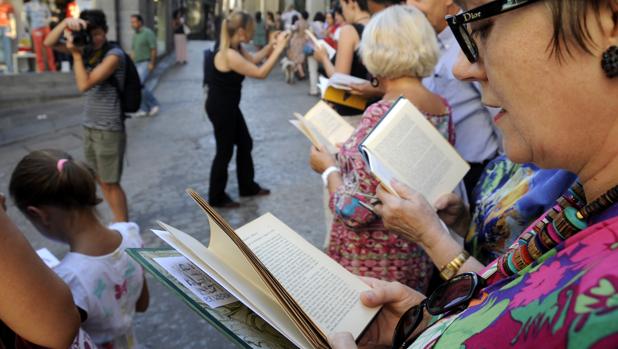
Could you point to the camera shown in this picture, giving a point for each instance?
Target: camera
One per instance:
(82, 38)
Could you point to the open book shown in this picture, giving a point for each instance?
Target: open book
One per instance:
(406, 147)
(284, 279)
(337, 90)
(319, 42)
(323, 126)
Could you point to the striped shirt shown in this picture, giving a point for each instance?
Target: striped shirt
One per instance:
(102, 109)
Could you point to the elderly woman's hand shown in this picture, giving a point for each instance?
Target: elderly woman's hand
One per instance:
(320, 159)
(395, 298)
(410, 215)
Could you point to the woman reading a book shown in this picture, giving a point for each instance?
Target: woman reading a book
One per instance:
(231, 64)
(556, 285)
(359, 241)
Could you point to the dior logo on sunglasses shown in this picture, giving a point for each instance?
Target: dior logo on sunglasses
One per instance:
(470, 16)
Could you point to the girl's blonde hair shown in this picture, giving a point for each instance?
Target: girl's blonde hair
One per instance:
(229, 27)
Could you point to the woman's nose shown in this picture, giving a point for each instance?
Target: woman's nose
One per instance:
(466, 71)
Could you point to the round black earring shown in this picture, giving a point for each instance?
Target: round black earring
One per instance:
(375, 82)
(609, 63)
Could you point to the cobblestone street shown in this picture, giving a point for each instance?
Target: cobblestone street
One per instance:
(173, 151)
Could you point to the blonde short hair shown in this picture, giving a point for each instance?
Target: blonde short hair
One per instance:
(399, 41)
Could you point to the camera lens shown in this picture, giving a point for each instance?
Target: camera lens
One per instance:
(81, 38)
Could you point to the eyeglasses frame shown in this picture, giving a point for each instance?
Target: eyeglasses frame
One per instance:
(458, 22)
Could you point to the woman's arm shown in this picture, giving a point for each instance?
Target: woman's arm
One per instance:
(86, 80)
(51, 40)
(346, 48)
(33, 294)
(258, 57)
(412, 216)
(241, 65)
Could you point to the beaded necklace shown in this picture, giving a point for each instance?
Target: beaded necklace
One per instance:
(568, 217)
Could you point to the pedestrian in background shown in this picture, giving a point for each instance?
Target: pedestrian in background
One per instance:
(38, 17)
(180, 37)
(95, 66)
(144, 54)
(296, 52)
(230, 65)
(8, 33)
(259, 38)
(58, 195)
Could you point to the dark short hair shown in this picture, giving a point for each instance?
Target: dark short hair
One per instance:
(95, 19)
(138, 17)
(319, 17)
(39, 180)
(258, 16)
(361, 3)
(304, 14)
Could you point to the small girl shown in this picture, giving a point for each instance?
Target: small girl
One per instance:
(58, 196)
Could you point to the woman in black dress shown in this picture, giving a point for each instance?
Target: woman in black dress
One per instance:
(231, 64)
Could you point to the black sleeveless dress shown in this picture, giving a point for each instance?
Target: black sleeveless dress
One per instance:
(222, 107)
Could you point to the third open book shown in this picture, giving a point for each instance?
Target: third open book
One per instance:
(323, 126)
(285, 280)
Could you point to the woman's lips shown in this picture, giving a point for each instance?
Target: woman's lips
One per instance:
(500, 114)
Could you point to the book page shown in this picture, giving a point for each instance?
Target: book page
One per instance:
(196, 281)
(317, 42)
(255, 298)
(343, 81)
(308, 133)
(329, 125)
(407, 146)
(327, 292)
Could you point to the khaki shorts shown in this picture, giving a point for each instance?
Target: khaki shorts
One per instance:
(104, 151)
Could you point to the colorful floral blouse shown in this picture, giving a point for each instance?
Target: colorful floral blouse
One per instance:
(358, 238)
(568, 299)
(509, 197)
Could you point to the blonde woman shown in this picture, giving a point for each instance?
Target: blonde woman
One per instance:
(399, 48)
(231, 65)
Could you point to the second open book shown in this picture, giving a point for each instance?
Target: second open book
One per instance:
(323, 126)
(284, 279)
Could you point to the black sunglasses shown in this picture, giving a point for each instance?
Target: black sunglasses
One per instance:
(458, 22)
(453, 295)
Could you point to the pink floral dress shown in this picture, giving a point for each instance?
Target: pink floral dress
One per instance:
(359, 241)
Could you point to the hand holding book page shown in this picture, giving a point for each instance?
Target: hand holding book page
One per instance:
(281, 277)
(407, 147)
(324, 127)
(318, 42)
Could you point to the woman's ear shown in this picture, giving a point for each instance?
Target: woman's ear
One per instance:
(37, 215)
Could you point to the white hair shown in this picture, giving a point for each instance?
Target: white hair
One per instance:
(399, 41)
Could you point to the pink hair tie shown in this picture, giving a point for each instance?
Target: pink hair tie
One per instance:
(60, 164)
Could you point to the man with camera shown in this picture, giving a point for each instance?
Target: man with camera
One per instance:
(99, 69)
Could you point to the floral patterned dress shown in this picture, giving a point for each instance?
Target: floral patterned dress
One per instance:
(358, 238)
(509, 197)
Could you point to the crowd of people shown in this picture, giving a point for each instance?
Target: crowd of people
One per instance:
(524, 253)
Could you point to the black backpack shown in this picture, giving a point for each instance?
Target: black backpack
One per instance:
(131, 93)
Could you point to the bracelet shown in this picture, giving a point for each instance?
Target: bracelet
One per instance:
(327, 173)
(451, 269)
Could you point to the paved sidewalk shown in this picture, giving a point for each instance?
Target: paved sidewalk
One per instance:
(173, 151)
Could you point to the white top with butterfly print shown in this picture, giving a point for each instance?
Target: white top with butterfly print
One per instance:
(107, 288)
